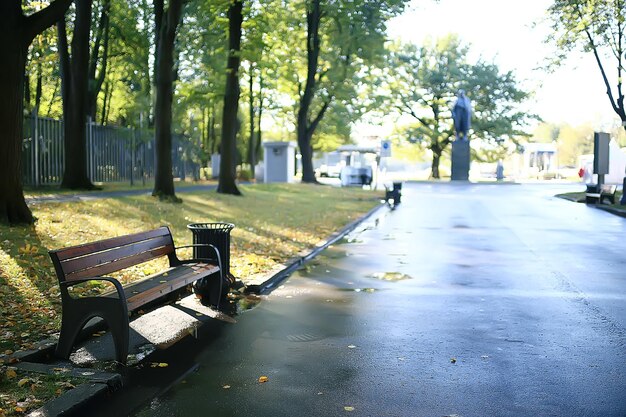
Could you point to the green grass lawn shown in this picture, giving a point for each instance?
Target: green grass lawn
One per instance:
(274, 222)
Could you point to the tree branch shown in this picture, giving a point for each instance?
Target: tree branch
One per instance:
(609, 92)
(43, 19)
(319, 116)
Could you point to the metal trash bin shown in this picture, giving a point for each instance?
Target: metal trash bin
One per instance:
(218, 235)
(393, 194)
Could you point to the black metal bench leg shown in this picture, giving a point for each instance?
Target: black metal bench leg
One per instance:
(115, 313)
(71, 325)
(78, 312)
(118, 324)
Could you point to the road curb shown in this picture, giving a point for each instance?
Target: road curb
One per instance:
(612, 210)
(272, 282)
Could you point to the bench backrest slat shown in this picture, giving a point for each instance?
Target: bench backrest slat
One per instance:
(111, 255)
(119, 264)
(100, 245)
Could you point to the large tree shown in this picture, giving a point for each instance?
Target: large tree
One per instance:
(307, 123)
(75, 86)
(227, 184)
(167, 21)
(423, 82)
(343, 39)
(598, 27)
(17, 32)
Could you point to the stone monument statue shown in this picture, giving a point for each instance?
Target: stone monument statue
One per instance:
(462, 115)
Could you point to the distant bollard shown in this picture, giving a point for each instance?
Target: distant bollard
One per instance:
(622, 200)
(397, 192)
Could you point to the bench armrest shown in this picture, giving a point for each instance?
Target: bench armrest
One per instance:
(219, 261)
(202, 245)
(116, 284)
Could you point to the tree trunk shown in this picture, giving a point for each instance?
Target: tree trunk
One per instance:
(38, 87)
(164, 179)
(75, 86)
(106, 103)
(212, 130)
(257, 146)
(252, 139)
(97, 76)
(27, 106)
(16, 34)
(227, 184)
(13, 207)
(434, 172)
(304, 128)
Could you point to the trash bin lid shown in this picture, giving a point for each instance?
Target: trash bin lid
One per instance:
(211, 226)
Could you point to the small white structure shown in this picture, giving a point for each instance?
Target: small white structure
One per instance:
(540, 160)
(215, 165)
(279, 161)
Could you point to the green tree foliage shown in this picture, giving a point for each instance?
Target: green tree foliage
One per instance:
(422, 83)
(123, 57)
(342, 39)
(597, 27)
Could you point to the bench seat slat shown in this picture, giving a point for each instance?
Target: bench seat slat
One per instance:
(102, 245)
(149, 289)
(114, 255)
(119, 265)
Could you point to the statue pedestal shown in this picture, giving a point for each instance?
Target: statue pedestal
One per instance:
(460, 160)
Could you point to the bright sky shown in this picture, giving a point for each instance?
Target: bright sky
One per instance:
(501, 30)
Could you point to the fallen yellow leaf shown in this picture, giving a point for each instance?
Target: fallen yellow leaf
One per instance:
(263, 379)
(10, 374)
(226, 387)
(18, 409)
(23, 382)
(348, 408)
(163, 365)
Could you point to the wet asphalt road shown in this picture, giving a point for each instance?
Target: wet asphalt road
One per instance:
(500, 301)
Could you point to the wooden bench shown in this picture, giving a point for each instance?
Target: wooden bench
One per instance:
(92, 261)
(593, 195)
